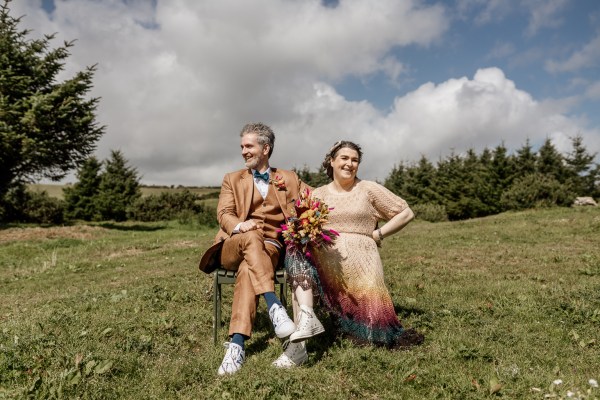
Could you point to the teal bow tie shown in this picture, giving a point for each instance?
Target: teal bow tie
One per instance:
(264, 177)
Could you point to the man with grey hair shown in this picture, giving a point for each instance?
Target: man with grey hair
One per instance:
(253, 204)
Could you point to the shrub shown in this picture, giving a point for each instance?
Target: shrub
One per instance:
(430, 212)
(204, 216)
(207, 216)
(536, 190)
(183, 206)
(37, 207)
(43, 209)
(211, 195)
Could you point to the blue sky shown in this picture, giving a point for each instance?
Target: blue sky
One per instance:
(178, 79)
(504, 42)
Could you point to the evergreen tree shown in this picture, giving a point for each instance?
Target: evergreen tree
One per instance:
(420, 183)
(550, 162)
(81, 197)
(450, 183)
(319, 178)
(502, 173)
(580, 166)
(595, 179)
(525, 162)
(313, 179)
(476, 199)
(119, 188)
(501, 176)
(47, 128)
(303, 174)
(396, 179)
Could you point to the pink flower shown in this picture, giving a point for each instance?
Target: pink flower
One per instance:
(327, 238)
(335, 233)
(278, 182)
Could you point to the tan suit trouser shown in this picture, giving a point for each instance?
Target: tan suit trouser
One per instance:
(255, 263)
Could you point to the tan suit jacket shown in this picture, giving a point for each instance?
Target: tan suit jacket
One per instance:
(235, 201)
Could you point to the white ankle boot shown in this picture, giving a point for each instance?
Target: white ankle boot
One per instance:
(294, 355)
(308, 325)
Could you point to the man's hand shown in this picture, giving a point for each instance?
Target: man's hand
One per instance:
(249, 225)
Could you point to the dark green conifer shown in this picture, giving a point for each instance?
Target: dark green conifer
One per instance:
(47, 128)
(81, 197)
(119, 188)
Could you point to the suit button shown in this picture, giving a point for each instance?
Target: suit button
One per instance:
(264, 204)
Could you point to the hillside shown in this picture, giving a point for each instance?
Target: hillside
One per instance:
(508, 304)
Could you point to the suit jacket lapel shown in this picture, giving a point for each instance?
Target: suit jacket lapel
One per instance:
(280, 194)
(247, 186)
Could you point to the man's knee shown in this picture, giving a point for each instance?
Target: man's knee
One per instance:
(253, 239)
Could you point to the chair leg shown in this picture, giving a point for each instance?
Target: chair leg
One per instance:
(216, 307)
(283, 293)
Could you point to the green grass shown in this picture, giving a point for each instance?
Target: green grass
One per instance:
(508, 304)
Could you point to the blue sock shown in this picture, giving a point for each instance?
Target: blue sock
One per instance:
(271, 299)
(238, 339)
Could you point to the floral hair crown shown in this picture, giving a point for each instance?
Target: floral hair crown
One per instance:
(336, 146)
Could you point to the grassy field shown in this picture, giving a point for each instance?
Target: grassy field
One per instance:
(509, 305)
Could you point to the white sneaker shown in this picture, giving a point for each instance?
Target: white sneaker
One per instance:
(308, 325)
(294, 355)
(233, 360)
(283, 325)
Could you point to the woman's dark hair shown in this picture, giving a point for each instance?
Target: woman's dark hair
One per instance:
(333, 152)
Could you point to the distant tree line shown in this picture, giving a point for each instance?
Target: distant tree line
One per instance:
(108, 190)
(457, 187)
(475, 185)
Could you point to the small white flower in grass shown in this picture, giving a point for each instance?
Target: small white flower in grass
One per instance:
(557, 382)
(570, 394)
(593, 383)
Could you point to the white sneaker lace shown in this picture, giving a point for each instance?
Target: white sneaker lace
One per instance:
(278, 315)
(233, 358)
(304, 319)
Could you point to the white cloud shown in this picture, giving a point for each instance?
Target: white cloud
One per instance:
(593, 91)
(178, 82)
(432, 120)
(501, 50)
(544, 14)
(464, 113)
(484, 11)
(588, 56)
(541, 13)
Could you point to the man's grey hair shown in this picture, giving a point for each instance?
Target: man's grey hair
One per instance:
(264, 132)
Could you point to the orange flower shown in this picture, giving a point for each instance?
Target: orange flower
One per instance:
(278, 182)
(304, 229)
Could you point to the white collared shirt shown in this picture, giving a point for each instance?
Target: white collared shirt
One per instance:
(262, 186)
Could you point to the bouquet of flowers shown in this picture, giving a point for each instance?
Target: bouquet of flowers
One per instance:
(304, 231)
(304, 228)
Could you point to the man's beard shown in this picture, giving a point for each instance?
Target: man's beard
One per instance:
(252, 163)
